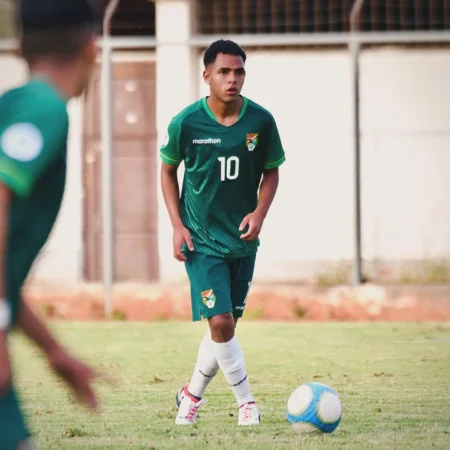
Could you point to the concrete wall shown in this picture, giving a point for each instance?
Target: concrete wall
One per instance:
(405, 118)
(405, 121)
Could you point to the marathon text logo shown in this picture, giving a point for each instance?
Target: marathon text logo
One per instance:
(206, 141)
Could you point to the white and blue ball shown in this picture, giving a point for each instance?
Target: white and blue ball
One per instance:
(314, 407)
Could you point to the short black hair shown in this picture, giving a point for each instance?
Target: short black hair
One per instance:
(44, 14)
(59, 44)
(226, 47)
(56, 29)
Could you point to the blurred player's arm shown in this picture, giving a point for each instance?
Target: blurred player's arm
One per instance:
(5, 316)
(274, 158)
(76, 374)
(172, 155)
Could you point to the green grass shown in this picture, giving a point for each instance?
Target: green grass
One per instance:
(393, 380)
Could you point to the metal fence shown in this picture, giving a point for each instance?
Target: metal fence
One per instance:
(353, 39)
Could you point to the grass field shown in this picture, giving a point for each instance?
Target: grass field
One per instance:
(393, 380)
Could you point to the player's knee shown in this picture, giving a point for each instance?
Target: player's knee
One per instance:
(222, 327)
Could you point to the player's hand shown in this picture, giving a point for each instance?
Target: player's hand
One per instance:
(181, 235)
(77, 375)
(255, 222)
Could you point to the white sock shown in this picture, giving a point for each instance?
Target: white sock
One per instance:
(232, 363)
(205, 369)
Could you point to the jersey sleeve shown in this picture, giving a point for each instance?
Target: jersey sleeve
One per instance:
(31, 137)
(171, 151)
(275, 153)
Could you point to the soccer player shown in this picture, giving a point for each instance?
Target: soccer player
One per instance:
(58, 43)
(228, 145)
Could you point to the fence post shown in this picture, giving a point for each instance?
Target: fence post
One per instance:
(354, 50)
(107, 159)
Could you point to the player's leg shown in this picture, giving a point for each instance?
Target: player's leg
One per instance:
(14, 434)
(205, 370)
(241, 270)
(227, 350)
(210, 296)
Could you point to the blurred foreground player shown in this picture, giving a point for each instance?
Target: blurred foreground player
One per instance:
(228, 145)
(57, 41)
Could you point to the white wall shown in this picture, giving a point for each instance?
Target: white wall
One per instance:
(406, 145)
(405, 118)
(61, 258)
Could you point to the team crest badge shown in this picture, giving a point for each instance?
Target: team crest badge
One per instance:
(209, 298)
(251, 139)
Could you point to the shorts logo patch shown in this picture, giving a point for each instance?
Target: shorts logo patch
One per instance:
(209, 298)
(251, 140)
(22, 142)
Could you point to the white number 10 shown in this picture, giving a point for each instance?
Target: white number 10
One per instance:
(229, 168)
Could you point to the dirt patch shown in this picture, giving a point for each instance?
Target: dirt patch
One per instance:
(135, 302)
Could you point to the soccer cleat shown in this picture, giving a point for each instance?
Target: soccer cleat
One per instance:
(249, 414)
(188, 410)
(179, 396)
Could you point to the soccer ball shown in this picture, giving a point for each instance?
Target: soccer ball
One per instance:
(314, 407)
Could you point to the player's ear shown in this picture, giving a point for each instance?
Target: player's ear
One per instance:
(206, 76)
(91, 50)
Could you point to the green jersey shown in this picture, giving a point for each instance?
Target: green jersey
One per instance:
(223, 170)
(33, 136)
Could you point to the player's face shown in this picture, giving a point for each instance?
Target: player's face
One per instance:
(226, 77)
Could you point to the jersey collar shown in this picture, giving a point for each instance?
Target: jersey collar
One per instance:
(210, 114)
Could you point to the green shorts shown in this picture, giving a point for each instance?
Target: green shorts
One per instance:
(13, 429)
(218, 285)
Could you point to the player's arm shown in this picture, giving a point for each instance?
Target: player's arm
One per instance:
(274, 158)
(76, 374)
(267, 191)
(171, 192)
(171, 156)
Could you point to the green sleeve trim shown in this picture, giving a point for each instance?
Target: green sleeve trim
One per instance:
(275, 164)
(15, 179)
(168, 160)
